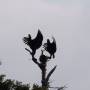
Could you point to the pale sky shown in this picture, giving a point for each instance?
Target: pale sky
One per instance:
(68, 21)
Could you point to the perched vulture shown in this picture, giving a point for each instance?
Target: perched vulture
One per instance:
(50, 47)
(43, 58)
(35, 43)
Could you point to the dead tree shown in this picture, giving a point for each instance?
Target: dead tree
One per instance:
(50, 47)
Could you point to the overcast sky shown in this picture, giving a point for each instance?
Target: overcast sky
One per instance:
(67, 20)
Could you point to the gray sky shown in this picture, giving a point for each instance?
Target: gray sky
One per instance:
(68, 21)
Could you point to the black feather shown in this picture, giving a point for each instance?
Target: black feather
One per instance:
(50, 47)
(35, 43)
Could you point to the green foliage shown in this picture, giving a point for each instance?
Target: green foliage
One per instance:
(8, 84)
(2, 78)
(37, 87)
(20, 86)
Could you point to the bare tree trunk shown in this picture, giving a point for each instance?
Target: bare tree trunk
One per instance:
(42, 66)
(43, 69)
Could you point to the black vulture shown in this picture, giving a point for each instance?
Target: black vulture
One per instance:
(35, 43)
(50, 47)
(43, 58)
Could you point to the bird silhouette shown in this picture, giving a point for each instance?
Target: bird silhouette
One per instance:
(50, 47)
(43, 59)
(35, 43)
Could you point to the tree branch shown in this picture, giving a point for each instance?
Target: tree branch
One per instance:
(28, 51)
(33, 58)
(50, 73)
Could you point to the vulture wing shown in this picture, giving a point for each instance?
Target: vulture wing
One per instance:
(34, 43)
(54, 44)
(50, 47)
(37, 42)
(27, 40)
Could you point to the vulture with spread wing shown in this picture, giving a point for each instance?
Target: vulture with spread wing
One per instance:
(35, 43)
(50, 47)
